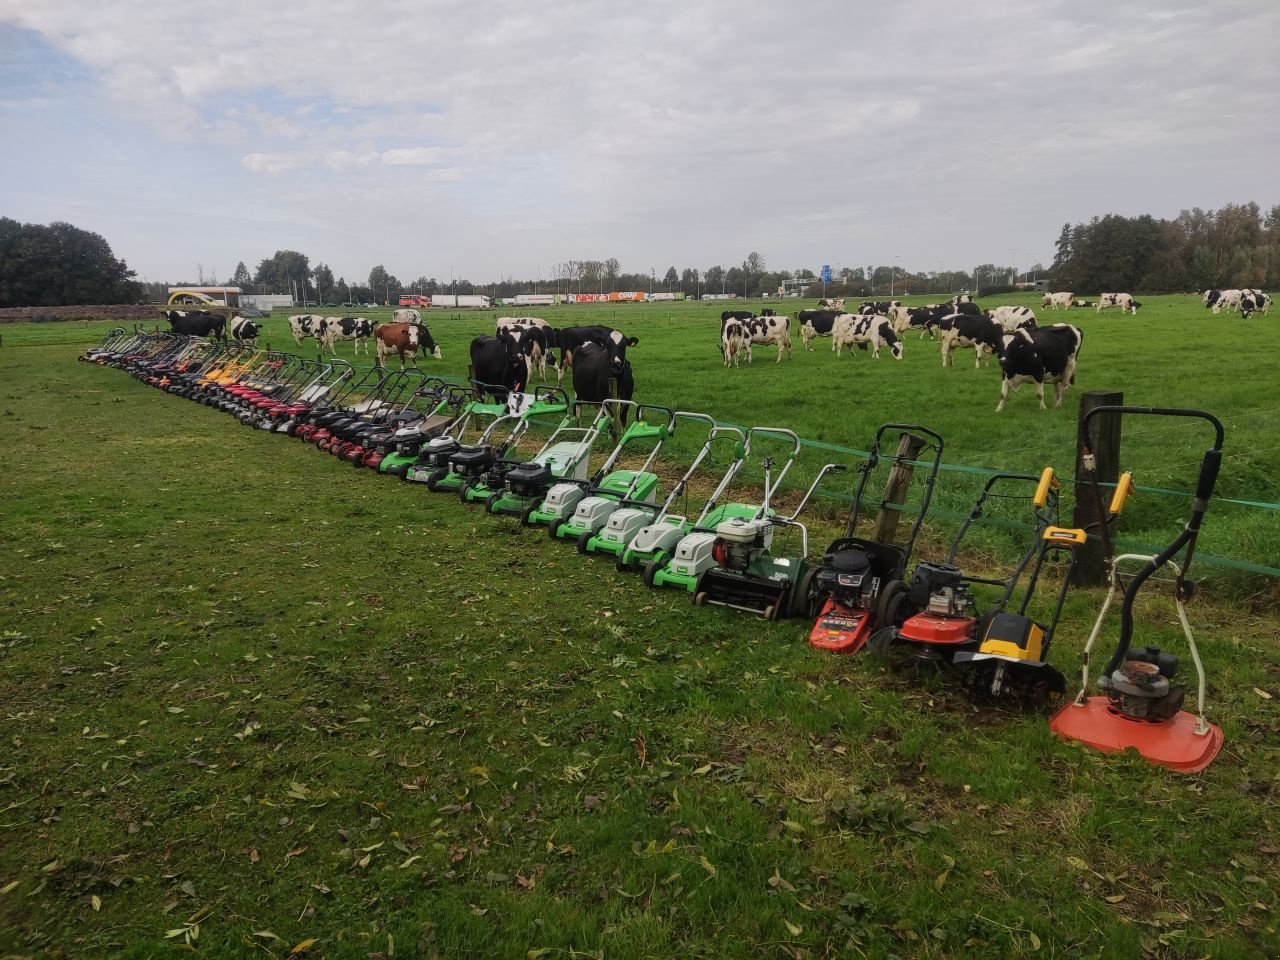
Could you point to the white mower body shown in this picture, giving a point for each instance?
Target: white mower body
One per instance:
(562, 499)
(693, 554)
(662, 535)
(592, 513)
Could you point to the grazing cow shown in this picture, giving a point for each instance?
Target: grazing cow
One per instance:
(1011, 318)
(404, 339)
(961, 331)
(499, 366)
(924, 319)
(960, 298)
(571, 338)
(357, 329)
(816, 323)
(733, 338)
(1261, 301)
(1218, 299)
(593, 368)
(534, 341)
(1056, 301)
(406, 315)
(1124, 301)
(1040, 355)
(832, 303)
(244, 330)
(766, 330)
(306, 325)
(197, 323)
(881, 307)
(861, 329)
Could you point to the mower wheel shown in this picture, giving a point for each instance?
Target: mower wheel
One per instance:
(553, 530)
(700, 599)
(583, 539)
(771, 612)
(621, 565)
(881, 640)
(464, 489)
(526, 515)
(890, 604)
(491, 501)
(804, 598)
(650, 571)
(433, 481)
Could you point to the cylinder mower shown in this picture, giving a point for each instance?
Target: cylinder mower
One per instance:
(1140, 708)
(860, 583)
(470, 465)
(748, 573)
(610, 489)
(520, 488)
(1002, 651)
(642, 538)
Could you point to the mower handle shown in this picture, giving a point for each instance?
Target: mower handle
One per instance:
(670, 414)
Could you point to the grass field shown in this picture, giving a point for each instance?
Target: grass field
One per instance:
(256, 700)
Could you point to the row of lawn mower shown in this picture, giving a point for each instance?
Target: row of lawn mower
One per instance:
(861, 593)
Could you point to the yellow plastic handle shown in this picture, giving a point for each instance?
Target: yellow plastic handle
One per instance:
(1124, 490)
(1048, 481)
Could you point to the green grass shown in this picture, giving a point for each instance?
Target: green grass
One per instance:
(234, 669)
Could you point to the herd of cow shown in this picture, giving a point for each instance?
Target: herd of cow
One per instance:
(1028, 353)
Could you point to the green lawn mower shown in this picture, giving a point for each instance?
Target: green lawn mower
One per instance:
(519, 488)
(476, 417)
(642, 538)
(612, 489)
(445, 404)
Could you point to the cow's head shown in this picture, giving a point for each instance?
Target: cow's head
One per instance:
(1134, 305)
(618, 350)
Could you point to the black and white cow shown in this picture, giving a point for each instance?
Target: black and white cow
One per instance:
(862, 330)
(881, 307)
(816, 323)
(962, 331)
(406, 315)
(733, 341)
(307, 325)
(769, 330)
(832, 303)
(1040, 355)
(736, 315)
(244, 330)
(499, 366)
(1124, 301)
(768, 312)
(925, 319)
(1056, 301)
(1252, 301)
(571, 338)
(357, 329)
(967, 308)
(1218, 299)
(535, 340)
(197, 323)
(593, 368)
(1081, 303)
(1011, 318)
(960, 298)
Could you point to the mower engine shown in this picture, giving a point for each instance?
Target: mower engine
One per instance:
(739, 542)
(846, 576)
(1140, 688)
(938, 589)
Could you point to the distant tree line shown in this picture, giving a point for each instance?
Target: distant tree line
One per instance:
(57, 264)
(1237, 246)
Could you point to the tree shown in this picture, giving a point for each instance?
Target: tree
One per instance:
(671, 278)
(384, 285)
(713, 279)
(323, 278)
(286, 271)
(242, 278)
(754, 263)
(60, 264)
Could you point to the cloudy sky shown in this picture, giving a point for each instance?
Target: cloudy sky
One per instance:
(498, 138)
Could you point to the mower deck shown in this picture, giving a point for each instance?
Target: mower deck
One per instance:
(1176, 743)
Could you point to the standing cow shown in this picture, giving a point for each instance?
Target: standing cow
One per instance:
(406, 315)
(961, 331)
(769, 330)
(816, 323)
(593, 368)
(1011, 318)
(307, 325)
(863, 330)
(405, 340)
(732, 342)
(357, 329)
(1057, 301)
(244, 330)
(498, 367)
(1124, 301)
(1040, 355)
(197, 323)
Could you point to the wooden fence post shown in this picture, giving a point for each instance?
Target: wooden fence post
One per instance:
(895, 490)
(1103, 442)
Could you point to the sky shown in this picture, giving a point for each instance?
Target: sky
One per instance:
(496, 139)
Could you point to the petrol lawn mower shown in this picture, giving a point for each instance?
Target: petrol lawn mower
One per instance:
(518, 488)
(363, 397)
(1139, 708)
(1002, 652)
(643, 539)
(373, 443)
(285, 416)
(351, 440)
(610, 489)
(469, 464)
(860, 582)
(441, 403)
(475, 418)
(267, 413)
(748, 574)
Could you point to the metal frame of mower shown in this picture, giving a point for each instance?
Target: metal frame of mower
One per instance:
(434, 455)
(1138, 707)
(442, 404)
(358, 396)
(859, 584)
(610, 489)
